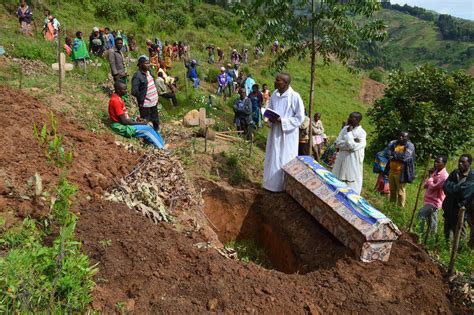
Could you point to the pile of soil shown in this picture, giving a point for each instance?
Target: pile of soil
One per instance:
(97, 158)
(154, 268)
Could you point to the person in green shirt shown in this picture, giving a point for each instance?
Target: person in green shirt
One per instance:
(79, 49)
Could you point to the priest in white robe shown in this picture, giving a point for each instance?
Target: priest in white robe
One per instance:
(282, 140)
(351, 143)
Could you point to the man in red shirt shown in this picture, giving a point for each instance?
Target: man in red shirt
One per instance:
(123, 125)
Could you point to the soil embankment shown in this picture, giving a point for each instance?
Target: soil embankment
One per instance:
(151, 268)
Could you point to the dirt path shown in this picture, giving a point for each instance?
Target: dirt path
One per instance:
(148, 268)
(371, 91)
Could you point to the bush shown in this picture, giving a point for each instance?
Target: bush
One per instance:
(376, 75)
(200, 21)
(434, 106)
(212, 75)
(114, 10)
(180, 19)
(35, 278)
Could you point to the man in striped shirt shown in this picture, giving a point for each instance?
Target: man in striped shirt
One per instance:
(144, 89)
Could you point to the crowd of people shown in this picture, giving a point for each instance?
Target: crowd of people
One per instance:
(289, 125)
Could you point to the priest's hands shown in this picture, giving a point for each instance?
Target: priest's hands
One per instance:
(273, 120)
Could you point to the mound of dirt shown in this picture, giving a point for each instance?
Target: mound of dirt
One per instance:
(152, 268)
(97, 159)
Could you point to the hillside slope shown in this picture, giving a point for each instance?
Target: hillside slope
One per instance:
(412, 41)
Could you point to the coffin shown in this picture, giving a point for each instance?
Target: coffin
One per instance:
(343, 212)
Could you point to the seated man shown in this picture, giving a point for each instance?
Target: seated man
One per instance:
(123, 125)
(164, 89)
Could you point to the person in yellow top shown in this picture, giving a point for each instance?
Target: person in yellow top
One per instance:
(401, 167)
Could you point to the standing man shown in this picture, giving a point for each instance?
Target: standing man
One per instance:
(459, 190)
(351, 143)
(144, 89)
(434, 194)
(282, 140)
(401, 167)
(117, 61)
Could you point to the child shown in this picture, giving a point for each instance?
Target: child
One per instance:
(318, 135)
(434, 195)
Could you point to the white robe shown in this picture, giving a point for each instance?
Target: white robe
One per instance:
(282, 140)
(349, 161)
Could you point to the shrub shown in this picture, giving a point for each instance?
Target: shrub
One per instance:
(376, 75)
(200, 21)
(434, 106)
(212, 74)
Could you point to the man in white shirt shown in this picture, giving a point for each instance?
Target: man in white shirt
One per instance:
(283, 138)
(351, 143)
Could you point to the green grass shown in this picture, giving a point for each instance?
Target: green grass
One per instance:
(249, 251)
(401, 217)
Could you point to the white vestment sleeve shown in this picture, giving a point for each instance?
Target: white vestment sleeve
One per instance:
(294, 121)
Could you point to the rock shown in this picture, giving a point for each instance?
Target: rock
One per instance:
(212, 304)
(130, 305)
(191, 115)
(312, 309)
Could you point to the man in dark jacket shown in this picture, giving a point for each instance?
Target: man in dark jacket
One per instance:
(144, 89)
(117, 61)
(459, 190)
(243, 113)
(401, 167)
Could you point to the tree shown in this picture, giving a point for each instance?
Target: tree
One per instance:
(327, 28)
(435, 107)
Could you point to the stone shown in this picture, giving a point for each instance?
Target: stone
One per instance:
(212, 304)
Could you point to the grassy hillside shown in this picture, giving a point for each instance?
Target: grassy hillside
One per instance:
(412, 41)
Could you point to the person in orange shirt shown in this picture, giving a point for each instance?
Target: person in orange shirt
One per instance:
(401, 167)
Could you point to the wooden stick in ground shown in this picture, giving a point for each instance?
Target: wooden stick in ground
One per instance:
(60, 83)
(205, 140)
(419, 191)
(226, 139)
(21, 76)
(230, 131)
(457, 236)
(228, 136)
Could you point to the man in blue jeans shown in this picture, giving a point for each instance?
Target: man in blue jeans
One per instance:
(123, 125)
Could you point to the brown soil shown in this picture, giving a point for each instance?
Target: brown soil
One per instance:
(371, 91)
(156, 269)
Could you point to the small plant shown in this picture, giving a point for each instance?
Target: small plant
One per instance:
(49, 138)
(105, 243)
(249, 251)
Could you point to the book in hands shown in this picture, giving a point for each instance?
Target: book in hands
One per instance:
(271, 114)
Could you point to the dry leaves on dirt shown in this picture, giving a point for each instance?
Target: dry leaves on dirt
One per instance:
(32, 67)
(155, 188)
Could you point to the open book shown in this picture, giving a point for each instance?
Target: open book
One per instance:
(271, 114)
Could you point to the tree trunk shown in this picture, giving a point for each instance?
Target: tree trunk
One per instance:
(312, 78)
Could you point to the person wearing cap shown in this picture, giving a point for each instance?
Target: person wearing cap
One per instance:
(221, 81)
(144, 89)
(96, 43)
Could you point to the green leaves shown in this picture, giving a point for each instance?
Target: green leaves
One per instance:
(434, 106)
